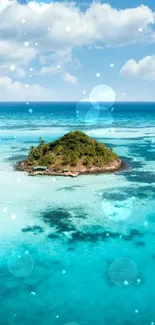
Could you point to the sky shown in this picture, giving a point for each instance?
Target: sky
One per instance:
(62, 51)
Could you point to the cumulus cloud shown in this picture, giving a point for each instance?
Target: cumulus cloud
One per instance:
(64, 26)
(39, 7)
(143, 69)
(48, 33)
(15, 54)
(14, 90)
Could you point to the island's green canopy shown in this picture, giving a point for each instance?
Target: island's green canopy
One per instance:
(75, 150)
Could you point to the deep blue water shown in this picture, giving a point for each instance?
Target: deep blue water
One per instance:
(65, 113)
(78, 251)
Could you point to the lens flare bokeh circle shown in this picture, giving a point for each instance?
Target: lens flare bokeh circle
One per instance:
(86, 113)
(20, 264)
(123, 272)
(102, 97)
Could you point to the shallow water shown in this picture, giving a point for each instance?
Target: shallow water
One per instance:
(78, 250)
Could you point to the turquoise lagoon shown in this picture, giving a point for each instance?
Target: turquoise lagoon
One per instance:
(78, 251)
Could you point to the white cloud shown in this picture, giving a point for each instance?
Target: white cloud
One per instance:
(48, 70)
(98, 26)
(16, 54)
(5, 3)
(143, 69)
(69, 78)
(39, 7)
(14, 90)
(62, 57)
(56, 69)
(115, 27)
(18, 72)
(14, 51)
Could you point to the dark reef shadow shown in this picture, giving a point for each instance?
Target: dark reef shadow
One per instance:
(33, 229)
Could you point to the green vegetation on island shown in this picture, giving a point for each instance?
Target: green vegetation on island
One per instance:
(74, 152)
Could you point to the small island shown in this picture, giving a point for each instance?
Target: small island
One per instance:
(73, 154)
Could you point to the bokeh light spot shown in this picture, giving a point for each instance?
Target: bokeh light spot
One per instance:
(123, 271)
(86, 112)
(20, 264)
(102, 97)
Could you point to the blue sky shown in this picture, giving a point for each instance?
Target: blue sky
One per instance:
(61, 51)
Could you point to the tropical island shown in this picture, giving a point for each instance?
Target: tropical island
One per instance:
(71, 155)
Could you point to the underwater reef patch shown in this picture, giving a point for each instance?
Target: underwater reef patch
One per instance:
(65, 224)
(34, 229)
(88, 236)
(62, 219)
(69, 188)
(123, 193)
(140, 243)
(15, 157)
(145, 150)
(132, 163)
(140, 176)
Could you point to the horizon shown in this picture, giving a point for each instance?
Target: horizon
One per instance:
(75, 101)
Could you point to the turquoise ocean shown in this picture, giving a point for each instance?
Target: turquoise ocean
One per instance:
(78, 250)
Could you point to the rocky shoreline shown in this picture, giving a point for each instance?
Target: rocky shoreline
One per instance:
(117, 165)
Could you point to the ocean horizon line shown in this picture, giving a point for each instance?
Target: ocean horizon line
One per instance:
(75, 101)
